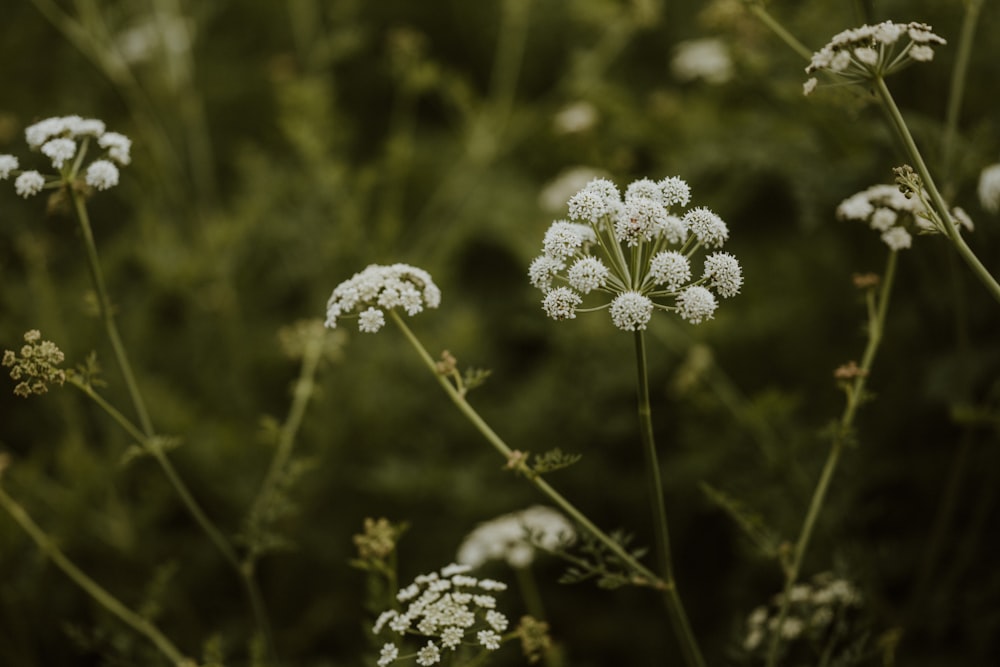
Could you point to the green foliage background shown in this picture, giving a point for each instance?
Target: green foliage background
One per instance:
(290, 144)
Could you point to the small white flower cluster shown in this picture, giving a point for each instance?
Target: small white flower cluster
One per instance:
(381, 287)
(65, 140)
(813, 607)
(444, 607)
(638, 250)
(889, 212)
(516, 536)
(706, 59)
(989, 188)
(871, 51)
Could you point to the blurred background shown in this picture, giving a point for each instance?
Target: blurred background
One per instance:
(280, 147)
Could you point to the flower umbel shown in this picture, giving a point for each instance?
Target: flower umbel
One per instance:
(449, 608)
(873, 51)
(515, 537)
(37, 365)
(634, 254)
(379, 288)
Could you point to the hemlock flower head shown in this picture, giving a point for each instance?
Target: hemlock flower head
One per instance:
(379, 288)
(873, 51)
(633, 255)
(989, 188)
(102, 174)
(516, 537)
(36, 366)
(29, 183)
(8, 163)
(895, 216)
(448, 608)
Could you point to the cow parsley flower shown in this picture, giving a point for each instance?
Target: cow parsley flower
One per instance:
(633, 255)
(379, 288)
(515, 538)
(873, 51)
(989, 188)
(29, 183)
(448, 608)
(59, 151)
(895, 216)
(8, 163)
(36, 366)
(102, 174)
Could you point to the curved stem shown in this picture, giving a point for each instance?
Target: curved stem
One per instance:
(758, 10)
(92, 588)
(937, 200)
(877, 310)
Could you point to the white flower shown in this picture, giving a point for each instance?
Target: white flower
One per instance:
(489, 639)
(671, 269)
(102, 174)
(118, 145)
(59, 150)
(696, 304)
(882, 219)
(707, 226)
(630, 311)
(639, 220)
(389, 653)
(597, 199)
(541, 271)
(989, 188)
(567, 183)
(724, 274)
(563, 239)
(371, 320)
(394, 286)
(587, 274)
(29, 183)
(514, 537)
(675, 191)
(706, 59)
(428, 655)
(561, 303)
(497, 620)
(8, 163)
(897, 238)
(576, 117)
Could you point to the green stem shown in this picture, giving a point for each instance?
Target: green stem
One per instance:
(107, 315)
(758, 10)
(91, 587)
(937, 200)
(646, 575)
(855, 396)
(675, 606)
(957, 90)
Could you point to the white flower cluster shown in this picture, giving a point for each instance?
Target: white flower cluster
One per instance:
(445, 608)
(861, 54)
(379, 288)
(65, 140)
(706, 59)
(516, 536)
(989, 188)
(813, 608)
(638, 250)
(889, 212)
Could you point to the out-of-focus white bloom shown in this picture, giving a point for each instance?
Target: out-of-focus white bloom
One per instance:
(118, 145)
(8, 163)
(29, 183)
(861, 54)
(379, 288)
(895, 216)
(577, 117)
(707, 59)
(634, 254)
(448, 607)
(989, 188)
(102, 174)
(515, 537)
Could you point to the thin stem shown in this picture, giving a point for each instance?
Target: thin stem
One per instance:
(645, 574)
(675, 607)
(877, 310)
(758, 10)
(107, 315)
(937, 200)
(91, 587)
(957, 90)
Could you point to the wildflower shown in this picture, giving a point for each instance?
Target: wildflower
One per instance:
(515, 537)
(382, 288)
(445, 607)
(989, 188)
(59, 150)
(895, 215)
(8, 163)
(37, 365)
(389, 653)
(119, 146)
(634, 255)
(576, 117)
(873, 51)
(29, 183)
(102, 174)
(706, 59)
